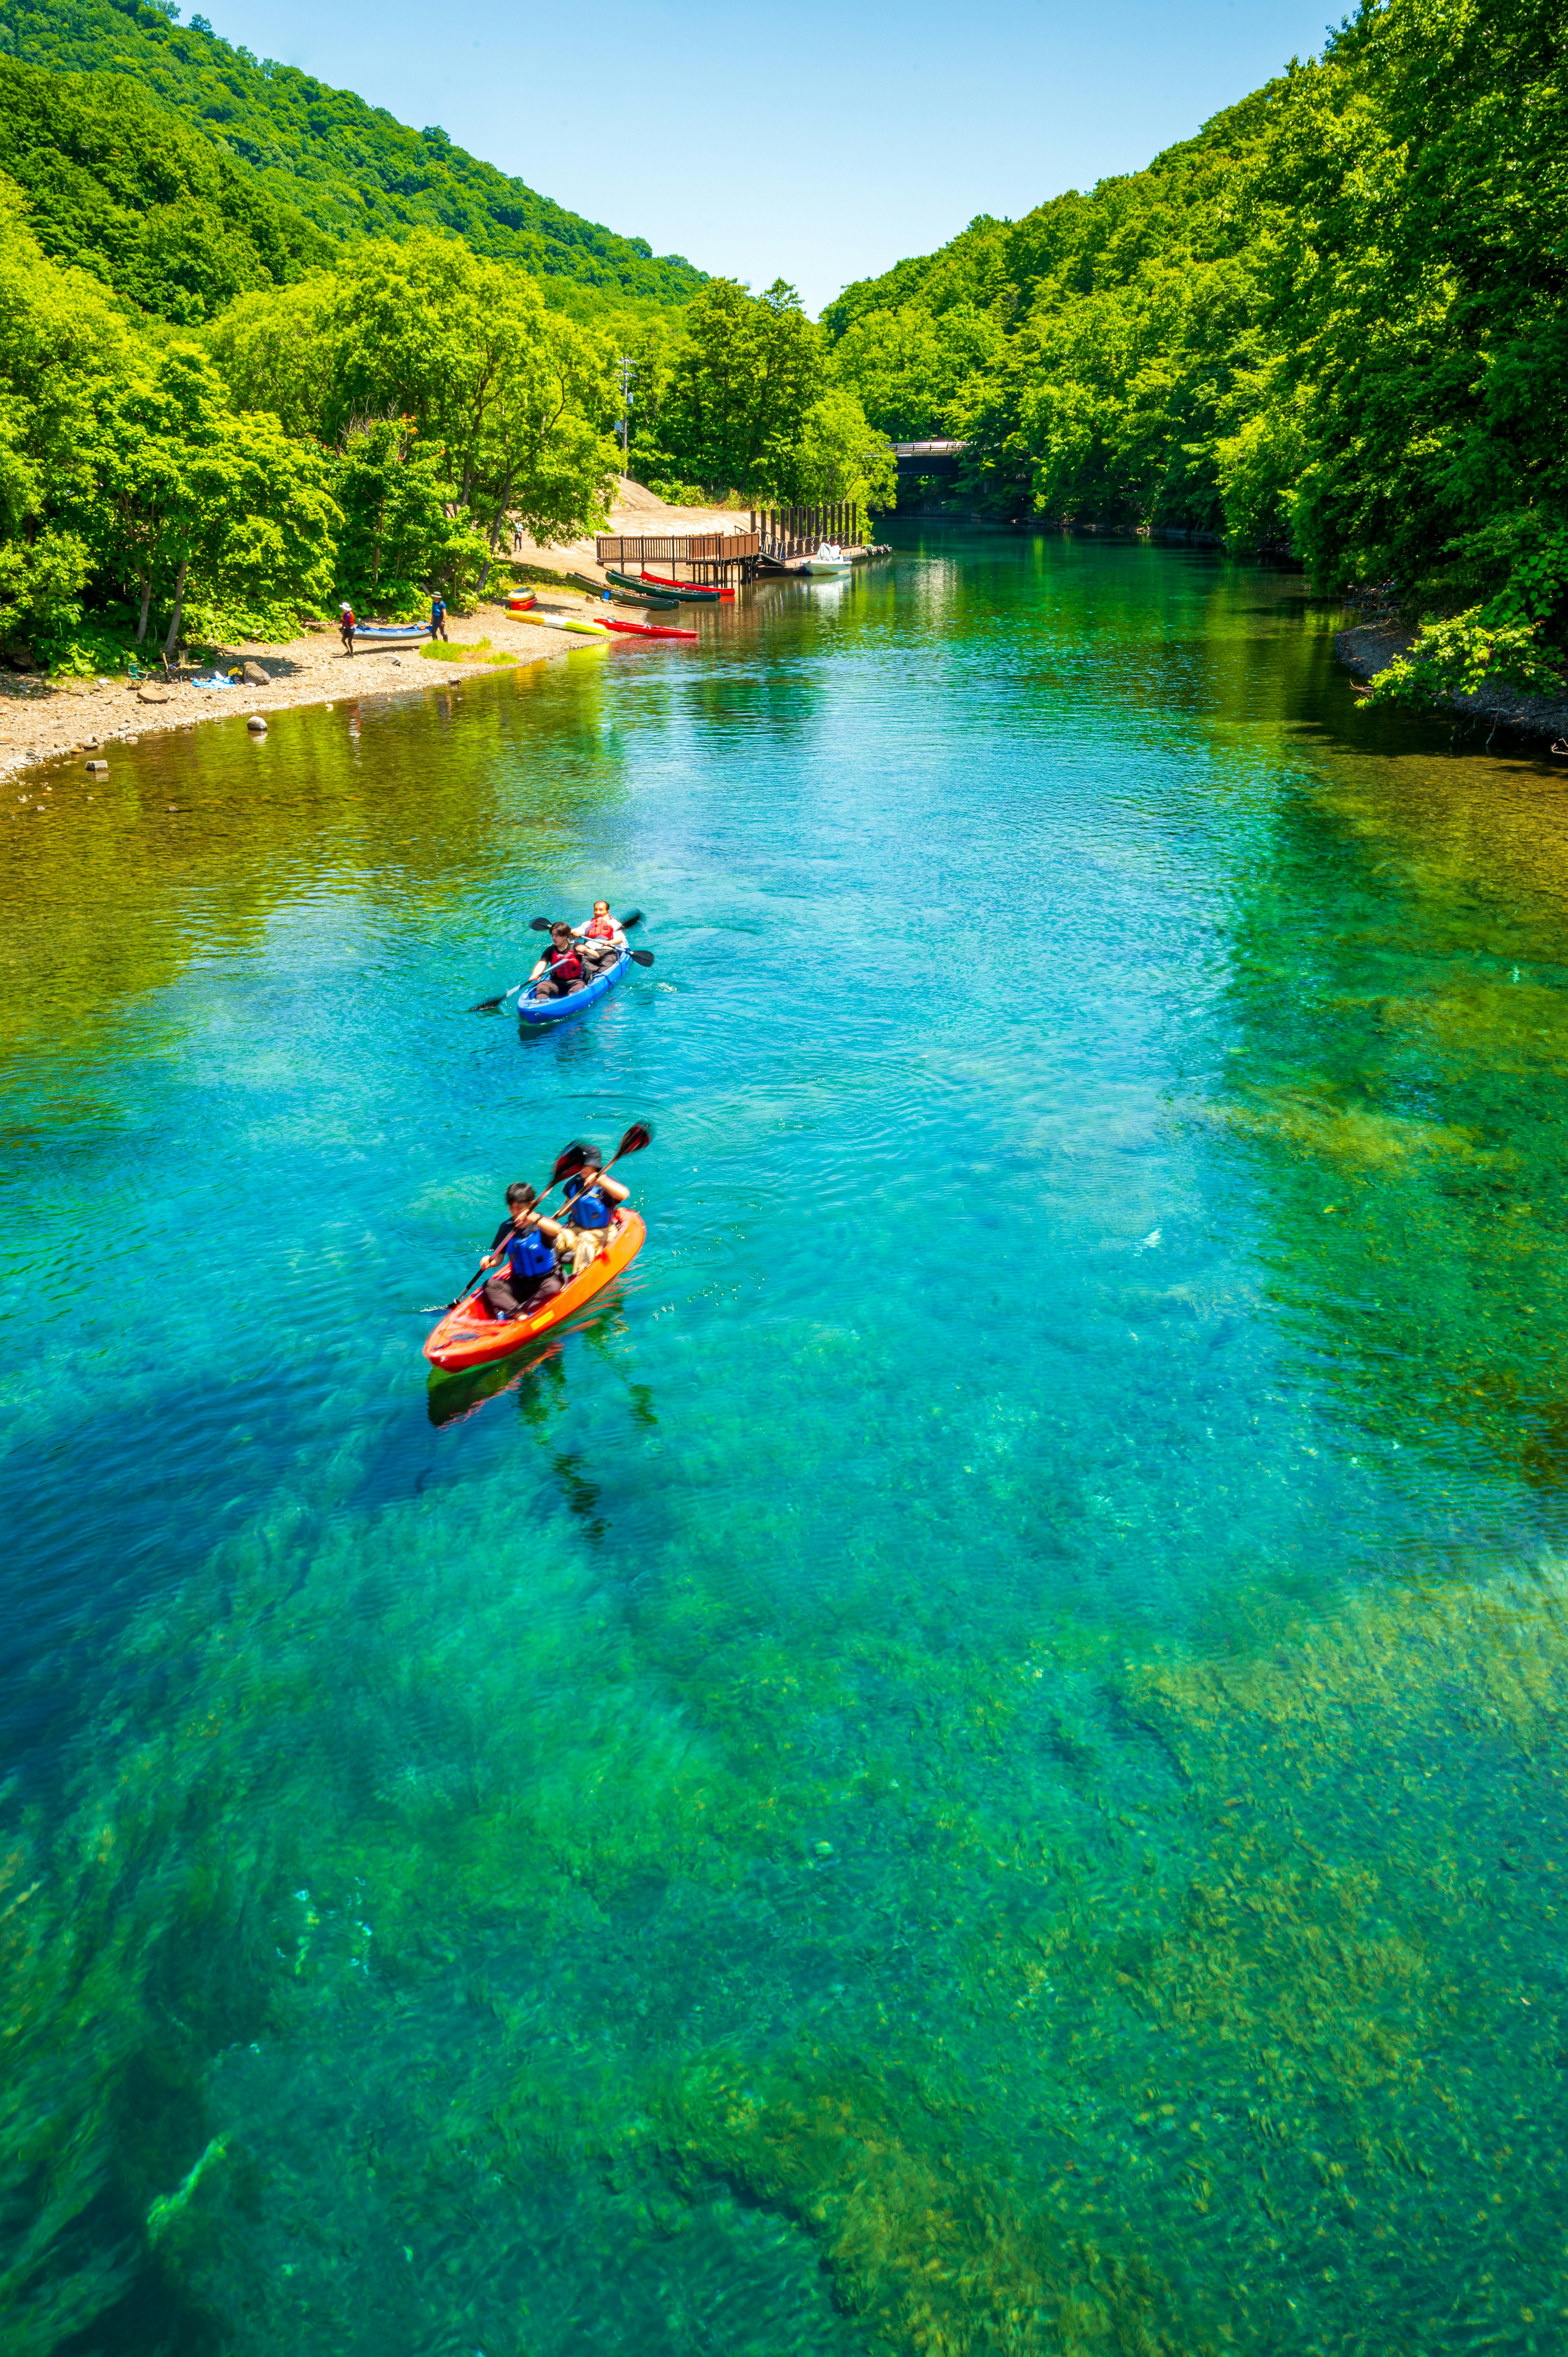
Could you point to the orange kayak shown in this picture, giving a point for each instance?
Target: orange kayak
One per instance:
(469, 1335)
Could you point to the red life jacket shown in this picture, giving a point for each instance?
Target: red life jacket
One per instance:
(568, 968)
(601, 929)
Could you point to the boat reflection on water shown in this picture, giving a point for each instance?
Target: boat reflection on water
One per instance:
(452, 1398)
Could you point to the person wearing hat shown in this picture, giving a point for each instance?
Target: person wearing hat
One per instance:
(593, 1208)
(346, 625)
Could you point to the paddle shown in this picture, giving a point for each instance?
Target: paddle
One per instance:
(568, 1162)
(570, 1159)
(545, 925)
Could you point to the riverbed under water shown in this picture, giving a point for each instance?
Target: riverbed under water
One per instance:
(974, 1763)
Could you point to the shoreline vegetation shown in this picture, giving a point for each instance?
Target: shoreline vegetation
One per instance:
(41, 720)
(1329, 326)
(1332, 323)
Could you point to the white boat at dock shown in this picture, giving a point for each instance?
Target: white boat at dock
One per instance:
(830, 561)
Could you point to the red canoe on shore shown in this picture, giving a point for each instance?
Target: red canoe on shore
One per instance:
(666, 581)
(645, 630)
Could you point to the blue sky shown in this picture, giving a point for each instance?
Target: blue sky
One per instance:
(819, 142)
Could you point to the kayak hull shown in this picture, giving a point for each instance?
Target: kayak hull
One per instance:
(469, 1337)
(585, 629)
(650, 630)
(554, 1010)
(394, 630)
(687, 589)
(662, 592)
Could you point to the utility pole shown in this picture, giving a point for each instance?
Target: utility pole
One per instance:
(626, 375)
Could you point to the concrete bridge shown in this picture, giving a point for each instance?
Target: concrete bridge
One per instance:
(919, 458)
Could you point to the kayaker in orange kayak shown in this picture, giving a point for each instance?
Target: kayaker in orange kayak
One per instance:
(593, 1206)
(526, 1242)
(602, 940)
(560, 971)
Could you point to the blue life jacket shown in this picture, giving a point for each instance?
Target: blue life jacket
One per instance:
(530, 1255)
(588, 1208)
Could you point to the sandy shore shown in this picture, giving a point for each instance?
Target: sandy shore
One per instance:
(41, 722)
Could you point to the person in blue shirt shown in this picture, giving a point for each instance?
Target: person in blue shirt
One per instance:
(593, 1206)
(523, 1257)
(438, 617)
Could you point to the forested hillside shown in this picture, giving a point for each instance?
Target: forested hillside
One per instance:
(348, 167)
(117, 184)
(1333, 322)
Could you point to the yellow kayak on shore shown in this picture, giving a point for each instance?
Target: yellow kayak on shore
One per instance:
(565, 622)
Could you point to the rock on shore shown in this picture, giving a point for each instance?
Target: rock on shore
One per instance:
(1373, 646)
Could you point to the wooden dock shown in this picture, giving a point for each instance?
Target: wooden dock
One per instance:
(709, 560)
(789, 534)
(779, 540)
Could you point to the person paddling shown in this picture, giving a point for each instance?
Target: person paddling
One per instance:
(560, 971)
(592, 1204)
(602, 940)
(525, 1243)
(347, 626)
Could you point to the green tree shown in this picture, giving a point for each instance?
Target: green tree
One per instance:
(400, 534)
(198, 504)
(746, 371)
(519, 398)
(63, 348)
(909, 366)
(833, 453)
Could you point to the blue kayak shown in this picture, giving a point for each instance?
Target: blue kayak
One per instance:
(551, 1010)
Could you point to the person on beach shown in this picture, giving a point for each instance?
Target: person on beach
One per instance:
(346, 626)
(525, 1243)
(438, 618)
(560, 971)
(602, 940)
(592, 1204)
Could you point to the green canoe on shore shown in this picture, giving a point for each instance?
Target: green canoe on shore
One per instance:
(660, 593)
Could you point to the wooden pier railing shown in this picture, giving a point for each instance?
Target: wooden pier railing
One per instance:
(714, 558)
(801, 532)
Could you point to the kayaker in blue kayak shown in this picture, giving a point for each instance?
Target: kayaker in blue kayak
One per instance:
(560, 971)
(593, 1202)
(525, 1243)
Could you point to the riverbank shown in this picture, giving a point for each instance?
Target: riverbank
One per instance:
(1370, 647)
(40, 721)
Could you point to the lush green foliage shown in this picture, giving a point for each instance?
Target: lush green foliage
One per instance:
(745, 398)
(517, 398)
(136, 482)
(123, 188)
(349, 166)
(1333, 321)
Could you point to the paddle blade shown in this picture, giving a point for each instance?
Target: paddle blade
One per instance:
(539, 924)
(635, 919)
(636, 1138)
(570, 1158)
(642, 957)
(483, 1005)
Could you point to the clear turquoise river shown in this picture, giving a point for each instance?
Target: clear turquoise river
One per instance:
(974, 1764)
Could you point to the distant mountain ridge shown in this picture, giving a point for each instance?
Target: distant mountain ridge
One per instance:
(349, 169)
